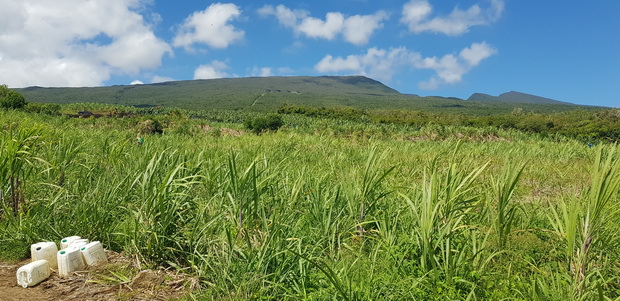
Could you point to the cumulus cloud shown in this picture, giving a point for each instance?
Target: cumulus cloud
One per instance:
(384, 64)
(317, 28)
(376, 63)
(261, 72)
(210, 27)
(160, 79)
(451, 68)
(42, 44)
(355, 29)
(416, 14)
(136, 82)
(287, 17)
(214, 70)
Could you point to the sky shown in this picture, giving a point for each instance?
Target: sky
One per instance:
(566, 50)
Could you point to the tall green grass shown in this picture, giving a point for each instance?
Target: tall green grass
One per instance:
(328, 210)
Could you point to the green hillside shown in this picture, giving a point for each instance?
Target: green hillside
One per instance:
(515, 97)
(270, 93)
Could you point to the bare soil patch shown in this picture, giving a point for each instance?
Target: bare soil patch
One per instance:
(223, 131)
(118, 280)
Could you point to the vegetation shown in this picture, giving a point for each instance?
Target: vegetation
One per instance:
(259, 125)
(10, 99)
(267, 94)
(327, 207)
(587, 126)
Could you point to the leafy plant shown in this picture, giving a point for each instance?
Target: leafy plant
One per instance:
(505, 211)
(11, 99)
(17, 157)
(262, 124)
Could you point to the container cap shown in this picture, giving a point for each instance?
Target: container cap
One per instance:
(62, 252)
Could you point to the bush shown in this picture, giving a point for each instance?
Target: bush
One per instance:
(271, 122)
(9, 99)
(43, 108)
(150, 126)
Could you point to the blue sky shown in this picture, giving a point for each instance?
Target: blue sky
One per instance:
(565, 50)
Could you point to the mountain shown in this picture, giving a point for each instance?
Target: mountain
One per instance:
(482, 97)
(226, 93)
(270, 93)
(515, 97)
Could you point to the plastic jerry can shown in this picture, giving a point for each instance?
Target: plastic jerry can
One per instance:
(94, 253)
(78, 243)
(33, 273)
(65, 242)
(70, 260)
(45, 250)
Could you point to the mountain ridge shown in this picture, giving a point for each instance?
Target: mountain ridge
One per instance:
(269, 93)
(515, 97)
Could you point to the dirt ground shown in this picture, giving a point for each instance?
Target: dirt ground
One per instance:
(118, 280)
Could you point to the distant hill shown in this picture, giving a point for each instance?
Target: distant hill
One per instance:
(235, 93)
(515, 97)
(270, 93)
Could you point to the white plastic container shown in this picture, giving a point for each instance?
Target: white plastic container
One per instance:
(94, 254)
(78, 243)
(33, 273)
(65, 242)
(45, 250)
(70, 260)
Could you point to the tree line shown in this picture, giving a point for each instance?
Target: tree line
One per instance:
(588, 126)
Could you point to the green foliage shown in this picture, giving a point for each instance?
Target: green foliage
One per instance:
(150, 126)
(17, 158)
(269, 94)
(271, 122)
(337, 112)
(505, 213)
(43, 108)
(588, 126)
(426, 212)
(10, 99)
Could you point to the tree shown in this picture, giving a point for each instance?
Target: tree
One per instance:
(9, 99)
(261, 124)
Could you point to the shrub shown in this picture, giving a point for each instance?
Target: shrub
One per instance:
(261, 124)
(150, 126)
(43, 108)
(9, 99)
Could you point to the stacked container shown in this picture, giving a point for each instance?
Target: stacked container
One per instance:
(74, 255)
(65, 242)
(94, 254)
(45, 250)
(33, 273)
(78, 243)
(70, 260)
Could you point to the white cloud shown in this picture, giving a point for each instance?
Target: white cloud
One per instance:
(384, 64)
(317, 28)
(450, 68)
(42, 44)
(210, 27)
(213, 70)
(358, 29)
(287, 17)
(134, 51)
(261, 72)
(355, 29)
(136, 82)
(376, 63)
(476, 53)
(416, 15)
(160, 79)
